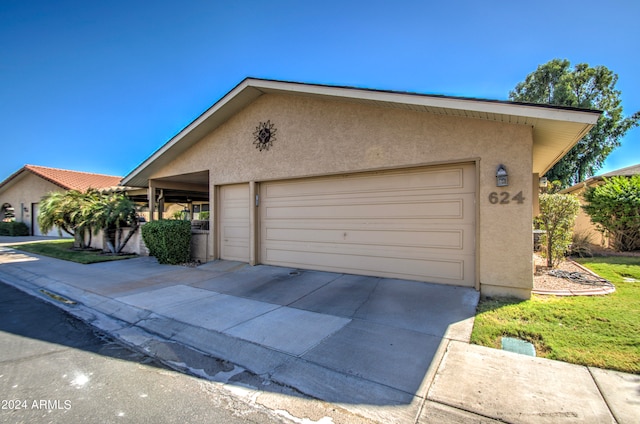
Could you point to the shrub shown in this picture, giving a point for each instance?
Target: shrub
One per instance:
(581, 244)
(557, 216)
(13, 228)
(615, 209)
(168, 240)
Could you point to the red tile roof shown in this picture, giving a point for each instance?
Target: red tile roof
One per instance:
(73, 180)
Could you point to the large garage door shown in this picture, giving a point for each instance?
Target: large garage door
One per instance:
(234, 222)
(416, 224)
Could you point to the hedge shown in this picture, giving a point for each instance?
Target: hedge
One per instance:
(13, 228)
(168, 240)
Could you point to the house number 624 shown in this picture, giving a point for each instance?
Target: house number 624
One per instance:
(504, 198)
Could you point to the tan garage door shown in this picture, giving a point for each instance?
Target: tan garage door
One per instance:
(234, 222)
(416, 224)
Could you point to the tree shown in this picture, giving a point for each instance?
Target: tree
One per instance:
(84, 213)
(557, 216)
(582, 86)
(112, 213)
(68, 211)
(615, 208)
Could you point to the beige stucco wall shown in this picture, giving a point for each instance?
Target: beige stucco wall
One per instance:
(134, 245)
(199, 241)
(318, 137)
(584, 226)
(23, 191)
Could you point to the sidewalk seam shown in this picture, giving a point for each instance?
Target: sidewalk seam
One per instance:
(425, 399)
(604, 398)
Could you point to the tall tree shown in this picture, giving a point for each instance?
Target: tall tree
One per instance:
(582, 86)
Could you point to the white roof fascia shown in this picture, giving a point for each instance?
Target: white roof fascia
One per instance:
(474, 105)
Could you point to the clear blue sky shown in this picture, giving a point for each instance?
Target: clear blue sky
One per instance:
(99, 86)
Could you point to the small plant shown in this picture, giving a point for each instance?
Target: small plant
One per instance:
(581, 245)
(557, 216)
(204, 215)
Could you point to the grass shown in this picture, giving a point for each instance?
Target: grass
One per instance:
(599, 331)
(62, 249)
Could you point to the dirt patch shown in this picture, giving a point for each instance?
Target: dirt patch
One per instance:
(544, 282)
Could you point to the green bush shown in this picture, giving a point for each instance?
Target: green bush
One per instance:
(557, 216)
(168, 240)
(13, 228)
(615, 209)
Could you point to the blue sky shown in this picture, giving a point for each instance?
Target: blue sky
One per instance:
(99, 86)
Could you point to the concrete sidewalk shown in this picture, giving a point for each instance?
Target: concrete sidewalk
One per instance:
(382, 349)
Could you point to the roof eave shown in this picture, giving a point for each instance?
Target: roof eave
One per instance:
(250, 89)
(24, 169)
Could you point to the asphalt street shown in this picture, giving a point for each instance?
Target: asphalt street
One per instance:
(55, 368)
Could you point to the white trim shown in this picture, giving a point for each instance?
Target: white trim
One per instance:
(426, 100)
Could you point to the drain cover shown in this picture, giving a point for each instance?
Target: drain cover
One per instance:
(58, 297)
(518, 346)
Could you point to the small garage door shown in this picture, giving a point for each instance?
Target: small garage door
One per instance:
(415, 224)
(234, 222)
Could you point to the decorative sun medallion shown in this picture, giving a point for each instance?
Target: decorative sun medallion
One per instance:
(264, 135)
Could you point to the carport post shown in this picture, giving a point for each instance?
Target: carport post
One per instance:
(151, 197)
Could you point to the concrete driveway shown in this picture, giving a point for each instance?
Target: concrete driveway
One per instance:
(383, 349)
(341, 338)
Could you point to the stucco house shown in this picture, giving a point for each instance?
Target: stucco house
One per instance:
(21, 192)
(584, 227)
(393, 184)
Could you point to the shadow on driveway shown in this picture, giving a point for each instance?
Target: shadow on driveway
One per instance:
(336, 337)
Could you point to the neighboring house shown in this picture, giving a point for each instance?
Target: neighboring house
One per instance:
(584, 227)
(361, 181)
(22, 191)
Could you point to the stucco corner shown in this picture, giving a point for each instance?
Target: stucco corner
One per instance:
(489, 290)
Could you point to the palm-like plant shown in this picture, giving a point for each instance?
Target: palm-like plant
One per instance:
(113, 213)
(67, 211)
(79, 214)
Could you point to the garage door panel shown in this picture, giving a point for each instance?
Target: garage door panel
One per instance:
(438, 239)
(436, 209)
(234, 222)
(417, 224)
(363, 185)
(236, 212)
(370, 250)
(235, 232)
(453, 271)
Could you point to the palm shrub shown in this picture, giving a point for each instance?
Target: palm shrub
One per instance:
(557, 217)
(68, 211)
(84, 213)
(113, 213)
(615, 209)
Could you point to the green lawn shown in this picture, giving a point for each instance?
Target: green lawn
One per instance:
(600, 331)
(62, 249)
